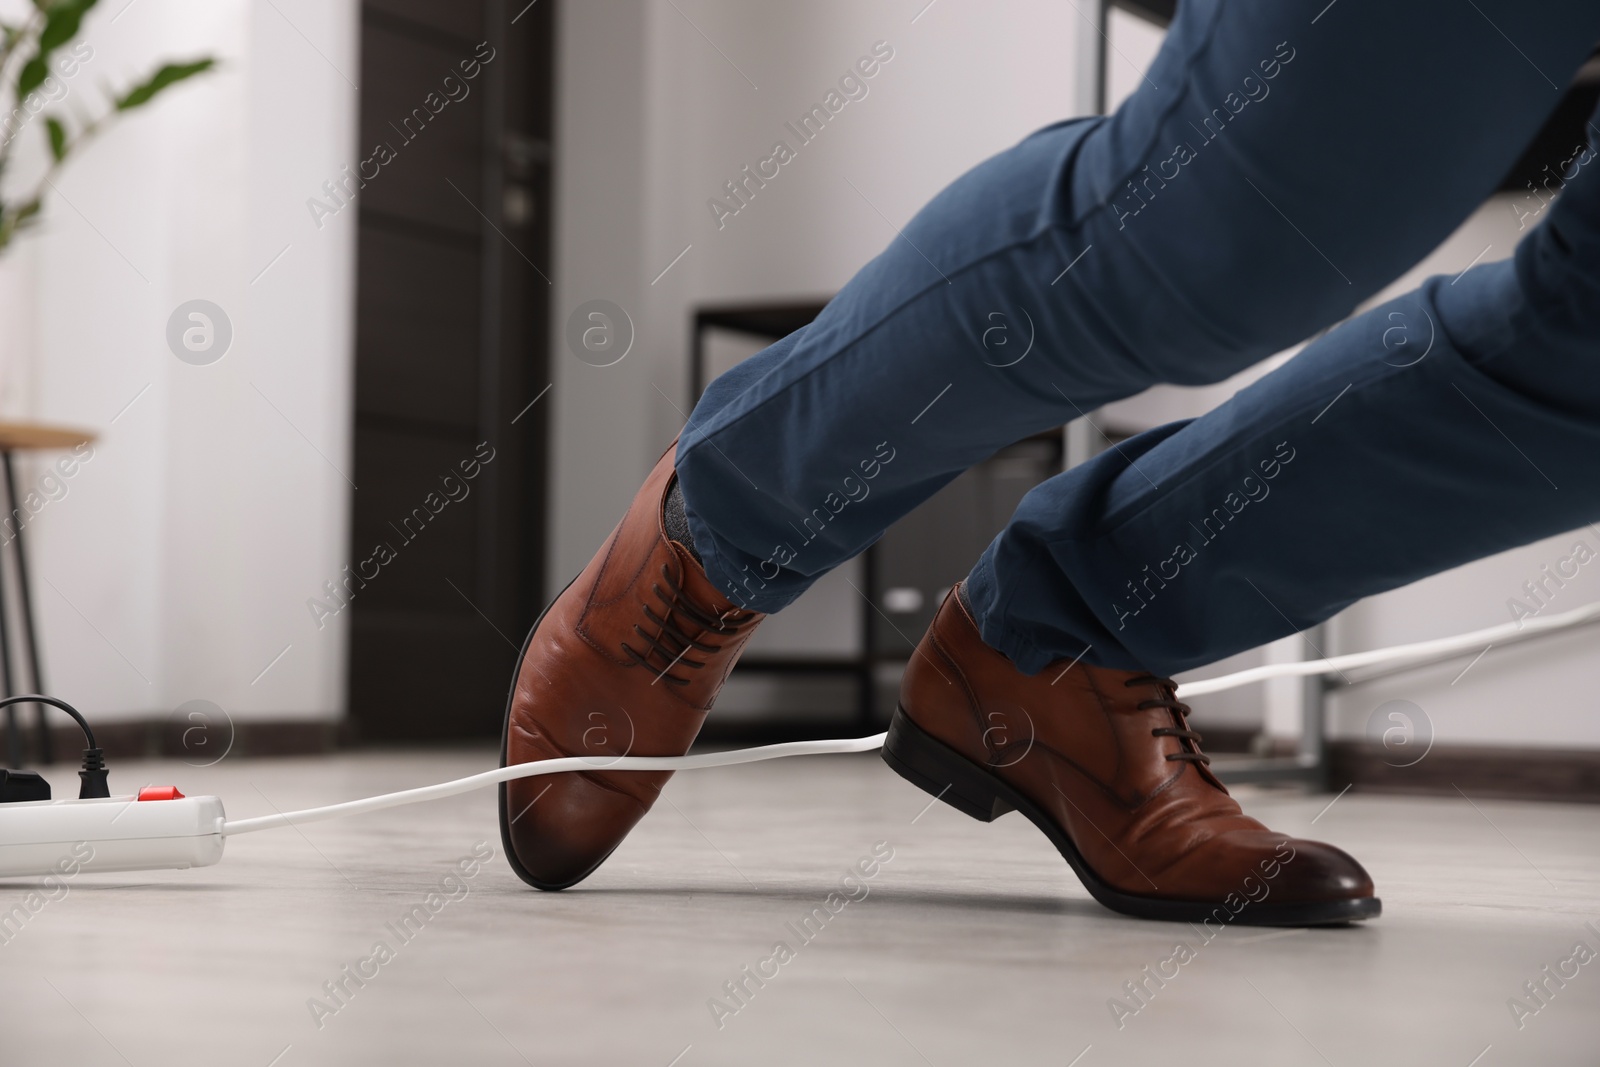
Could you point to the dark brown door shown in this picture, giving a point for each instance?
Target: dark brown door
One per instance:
(452, 305)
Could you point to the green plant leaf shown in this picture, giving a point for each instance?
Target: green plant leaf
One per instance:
(15, 219)
(58, 137)
(33, 73)
(168, 74)
(61, 24)
(62, 20)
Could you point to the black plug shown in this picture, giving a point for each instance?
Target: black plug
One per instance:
(93, 775)
(17, 787)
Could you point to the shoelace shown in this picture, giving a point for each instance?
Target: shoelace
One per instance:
(680, 609)
(1171, 702)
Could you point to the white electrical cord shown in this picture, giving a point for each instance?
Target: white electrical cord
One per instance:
(553, 766)
(1418, 651)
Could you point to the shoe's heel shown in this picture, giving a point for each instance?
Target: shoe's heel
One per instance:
(935, 768)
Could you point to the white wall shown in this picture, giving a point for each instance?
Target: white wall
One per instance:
(653, 120)
(601, 436)
(178, 564)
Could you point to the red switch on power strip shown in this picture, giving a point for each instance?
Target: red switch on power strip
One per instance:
(160, 792)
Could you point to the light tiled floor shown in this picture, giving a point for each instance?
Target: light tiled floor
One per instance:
(973, 945)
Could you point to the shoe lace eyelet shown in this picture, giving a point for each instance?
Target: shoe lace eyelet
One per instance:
(682, 627)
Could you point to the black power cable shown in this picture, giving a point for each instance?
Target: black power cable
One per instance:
(93, 774)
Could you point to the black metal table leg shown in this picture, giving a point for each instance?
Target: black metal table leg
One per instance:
(14, 757)
(29, 631)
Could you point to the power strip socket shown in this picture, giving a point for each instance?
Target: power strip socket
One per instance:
(157, 829)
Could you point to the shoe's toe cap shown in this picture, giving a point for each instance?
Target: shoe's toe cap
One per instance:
(1255, 864)
(1315, 870)
(557, 829)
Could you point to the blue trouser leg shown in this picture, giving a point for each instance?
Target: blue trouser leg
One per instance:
(1448, 424)
(1245, 197)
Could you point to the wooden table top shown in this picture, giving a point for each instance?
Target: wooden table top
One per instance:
(16, 436)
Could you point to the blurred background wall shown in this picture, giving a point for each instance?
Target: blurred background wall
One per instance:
(178, 564)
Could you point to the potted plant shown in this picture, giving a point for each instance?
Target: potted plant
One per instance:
(37, 58)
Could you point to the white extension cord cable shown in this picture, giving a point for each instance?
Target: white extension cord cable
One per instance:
(1416, 653)
(552, 766)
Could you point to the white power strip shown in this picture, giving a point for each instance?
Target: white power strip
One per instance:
(146, 832)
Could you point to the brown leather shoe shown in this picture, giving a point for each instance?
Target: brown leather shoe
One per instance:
(625, 661)
(1104, 763)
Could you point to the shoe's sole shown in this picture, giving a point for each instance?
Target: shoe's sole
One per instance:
(505, 740)
(935, 768)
